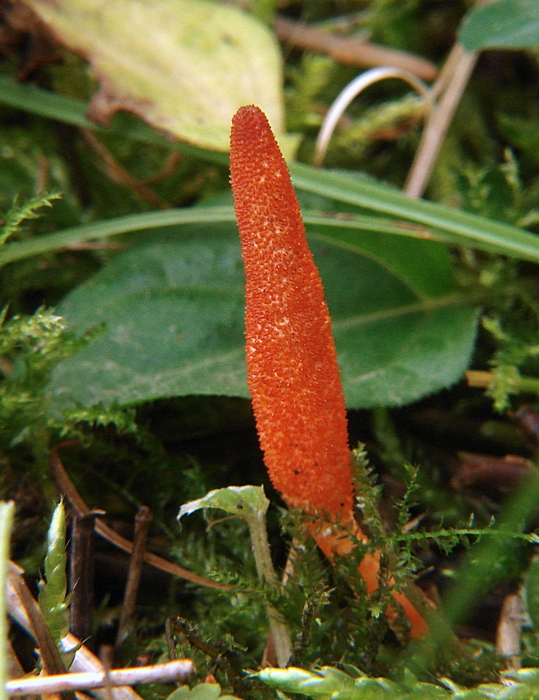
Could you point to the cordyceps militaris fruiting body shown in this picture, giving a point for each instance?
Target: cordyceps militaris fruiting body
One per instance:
(292, 366)
(289, 345)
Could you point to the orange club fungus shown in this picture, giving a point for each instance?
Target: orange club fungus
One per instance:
(292, 367)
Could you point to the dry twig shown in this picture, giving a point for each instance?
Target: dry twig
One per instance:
(451, 84)
(350, 50)
(142, 525)
(36, 625)
(67, 487)
(83, 661)
(82, 574)
(158, 673)
(112, 168)
(509, 632)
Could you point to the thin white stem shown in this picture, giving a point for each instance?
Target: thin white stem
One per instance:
(351, 91)
(266, 572)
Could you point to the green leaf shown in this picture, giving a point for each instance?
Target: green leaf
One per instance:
(297, 680)
(526, 676)
(173, 309)
(457, 227)
(426, 691)
(329, 683)
(243, 501)
(184, 66)
(202, 691)
(509, 24)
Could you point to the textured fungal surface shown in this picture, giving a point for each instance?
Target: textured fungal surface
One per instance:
(292, 364)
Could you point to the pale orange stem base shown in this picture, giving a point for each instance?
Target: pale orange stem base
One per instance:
(333, 542)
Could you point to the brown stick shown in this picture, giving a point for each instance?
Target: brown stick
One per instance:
(485, 472)
(82, 574)
(509, 631)
(452, 81)
(142, 525)
(119, 174)
(351, 50)
(83, 661)
(67, 487)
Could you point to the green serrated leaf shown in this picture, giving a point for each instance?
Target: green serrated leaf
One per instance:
(173, 309)
(515, 692)
(528, 676)
(205, 691)
(332, 683)
(292, 680)
(375, 689)
(245, 501)
(510, 24)
(184, 66)
(473, 694)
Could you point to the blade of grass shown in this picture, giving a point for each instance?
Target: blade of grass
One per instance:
(218, 214)
(466, 229)
(112, 227)
(70, 110)
(340, 230)
(7, 511)
(450, 225)
(44, 103)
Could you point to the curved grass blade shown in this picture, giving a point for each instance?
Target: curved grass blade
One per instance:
(333, 228)
(462, 228)
(445, 224)
(343, 230)
(70, 110)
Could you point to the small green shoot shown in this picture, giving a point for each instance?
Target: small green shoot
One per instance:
(251, 504)
(53, 599)
(26, 211)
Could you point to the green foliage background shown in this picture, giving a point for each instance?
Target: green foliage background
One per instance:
(122, 324)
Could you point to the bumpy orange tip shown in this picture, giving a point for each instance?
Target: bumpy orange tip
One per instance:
(291, 359)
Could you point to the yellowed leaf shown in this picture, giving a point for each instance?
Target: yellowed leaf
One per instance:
(185, 66)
